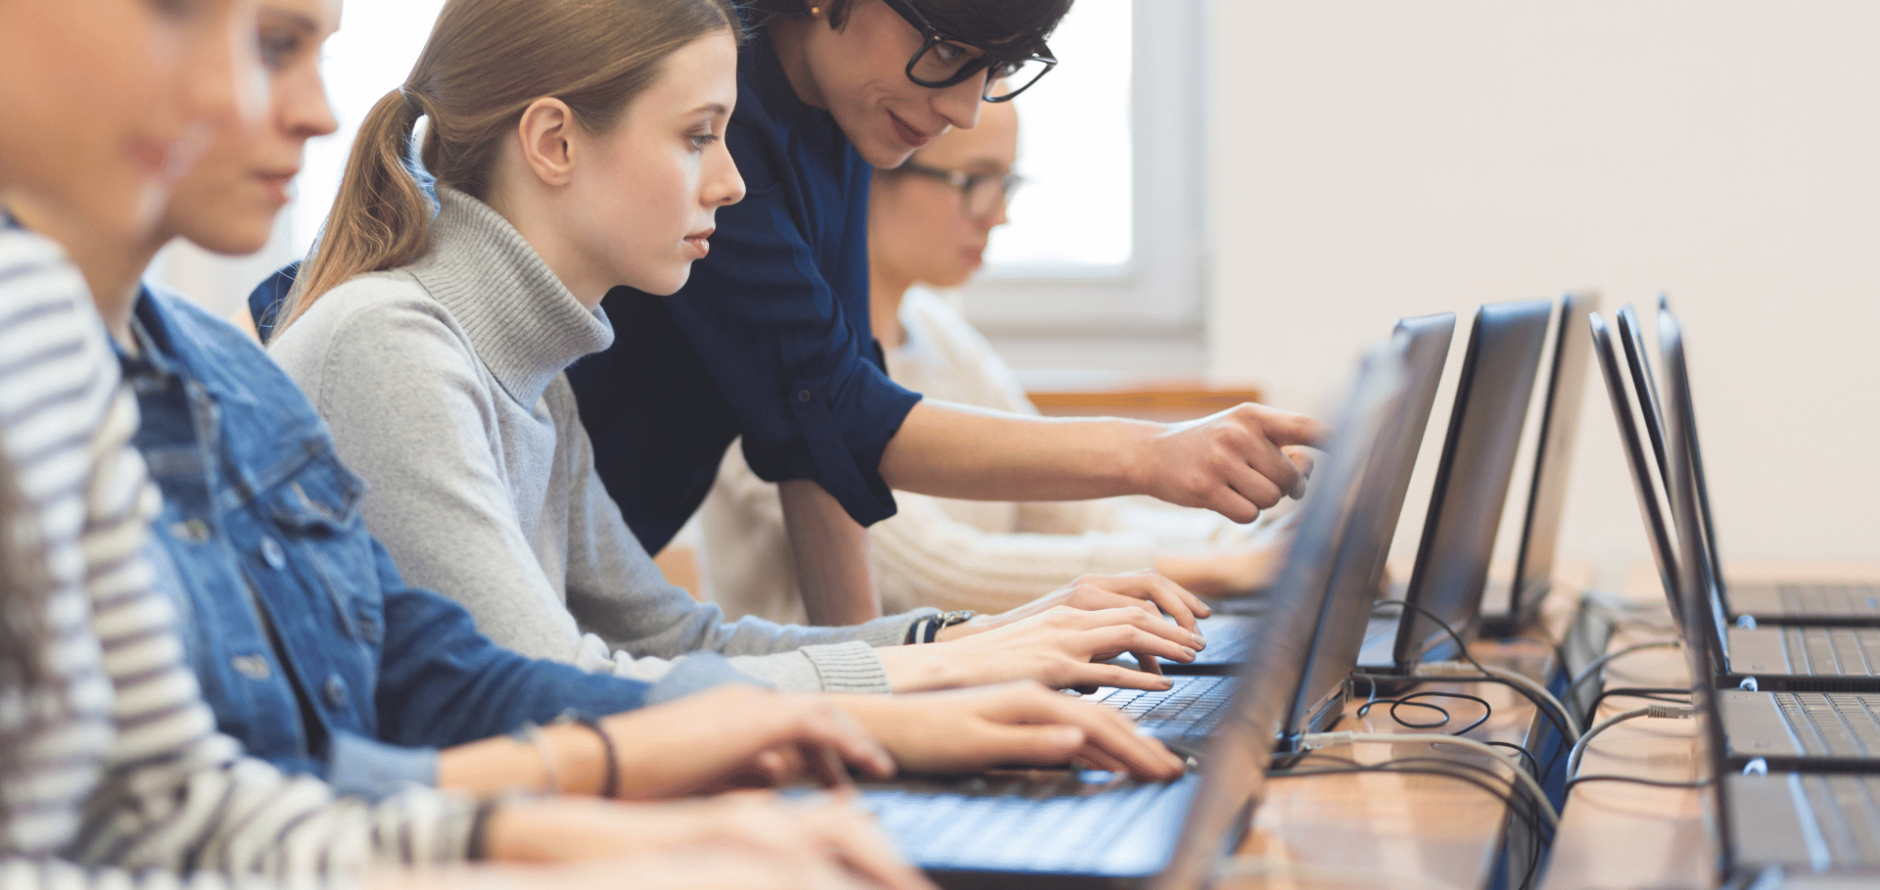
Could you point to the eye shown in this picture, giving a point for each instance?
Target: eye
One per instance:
(949, 53)
(279, 48)
(702, 141)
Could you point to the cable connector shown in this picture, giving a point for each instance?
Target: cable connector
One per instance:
(1447, 669)
(1675, 712)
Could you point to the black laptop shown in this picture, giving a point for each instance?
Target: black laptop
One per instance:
(1052, 829)
(1770, 824)
(1492, 395)
(1518, 604)
(1852, 603)
(1422, 345)
(1776, 658)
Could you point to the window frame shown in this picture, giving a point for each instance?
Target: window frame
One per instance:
(1159, 291)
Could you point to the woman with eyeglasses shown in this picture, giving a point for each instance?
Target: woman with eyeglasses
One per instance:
(771, 338)
(929, 222)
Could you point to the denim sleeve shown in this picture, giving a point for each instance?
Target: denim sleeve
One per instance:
(442, 683)
(361, 767)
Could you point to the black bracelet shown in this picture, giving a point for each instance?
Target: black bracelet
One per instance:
(478, 845)
(610, 780)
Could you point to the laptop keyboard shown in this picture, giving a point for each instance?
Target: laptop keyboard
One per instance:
(1193, 707)
(1833, 652)
(1847, 812)
(1029, 822)
(1832, 724)
(1830, 599)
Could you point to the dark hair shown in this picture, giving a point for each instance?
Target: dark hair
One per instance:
(1011, 29)
(485, 62)
(28, 692)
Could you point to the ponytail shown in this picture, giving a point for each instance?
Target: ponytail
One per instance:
(484, 62)
(381, 218)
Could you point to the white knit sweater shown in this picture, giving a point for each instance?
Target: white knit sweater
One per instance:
(125, 782)
(951, 554)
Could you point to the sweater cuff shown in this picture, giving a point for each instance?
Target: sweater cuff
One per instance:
(892, 630)
(849, 667)
(362, 767)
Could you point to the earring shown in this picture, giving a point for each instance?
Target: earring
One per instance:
(815, 10)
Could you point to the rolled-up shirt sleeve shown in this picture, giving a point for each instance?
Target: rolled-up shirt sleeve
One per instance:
(791, 363)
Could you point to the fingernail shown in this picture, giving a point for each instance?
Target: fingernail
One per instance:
(1188, 652)
(1164, 682)
(1201, 642)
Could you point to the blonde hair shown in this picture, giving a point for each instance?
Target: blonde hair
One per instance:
(485, 61)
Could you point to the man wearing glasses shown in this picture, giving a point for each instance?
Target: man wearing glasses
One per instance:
(771, 338)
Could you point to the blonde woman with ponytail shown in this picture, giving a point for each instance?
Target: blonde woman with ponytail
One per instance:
(576, 144)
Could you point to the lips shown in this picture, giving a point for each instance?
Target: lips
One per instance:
(909, 136)
(701, 242)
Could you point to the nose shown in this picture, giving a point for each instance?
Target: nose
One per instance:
(959, 103)
(723, 184)
(306, 111)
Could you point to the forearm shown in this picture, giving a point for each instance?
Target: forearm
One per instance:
(958, 451)
(568, 759)
(831, 553)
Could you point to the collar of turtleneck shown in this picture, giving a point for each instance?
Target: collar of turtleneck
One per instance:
(525, 324)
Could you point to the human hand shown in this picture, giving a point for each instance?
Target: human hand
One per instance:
(1144, 590)
(737, 735)
(1061, 648)
(1231, 462)
(1251, 562)
(801, 837)
(1015, 723)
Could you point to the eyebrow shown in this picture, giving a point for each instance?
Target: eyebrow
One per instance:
(294, 19)
(713, 107)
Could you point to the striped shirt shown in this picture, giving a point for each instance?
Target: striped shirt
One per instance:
(130, 784)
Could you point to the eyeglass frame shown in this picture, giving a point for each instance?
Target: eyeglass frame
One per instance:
(964, 183)
(931, 37)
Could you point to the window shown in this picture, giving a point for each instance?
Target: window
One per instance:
(1105, 246)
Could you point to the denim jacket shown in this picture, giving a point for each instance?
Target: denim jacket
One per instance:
(310, 649)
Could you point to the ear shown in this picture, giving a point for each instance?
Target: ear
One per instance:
(547, 131)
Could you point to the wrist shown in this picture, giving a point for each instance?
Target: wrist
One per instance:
(977, 624)
(580, 758)
(919, 668)
(1136, 471)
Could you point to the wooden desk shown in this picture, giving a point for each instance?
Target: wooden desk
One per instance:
(1164, 401)
(1378, 829)
(1616, 835)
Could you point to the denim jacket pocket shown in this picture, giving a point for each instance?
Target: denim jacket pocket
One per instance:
(317, 508)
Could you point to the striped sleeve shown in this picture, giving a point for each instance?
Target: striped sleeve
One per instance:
(132, 786)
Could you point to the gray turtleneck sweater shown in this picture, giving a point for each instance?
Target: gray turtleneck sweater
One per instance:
(443, 384)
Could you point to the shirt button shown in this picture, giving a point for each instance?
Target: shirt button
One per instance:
(193, 531)
(254, 667)
(335, 691)
(802, 396)
(272, 555)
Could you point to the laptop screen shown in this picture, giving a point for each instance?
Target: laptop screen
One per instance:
(1492, 396)
(1422, 344)
(1553, 453)
(1238, 753)
(1644, 483)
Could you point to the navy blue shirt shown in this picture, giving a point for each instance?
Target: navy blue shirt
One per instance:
(769, 340)
(292, 615)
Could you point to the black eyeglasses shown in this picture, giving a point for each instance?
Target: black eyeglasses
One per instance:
(980, 193)
(943, 61)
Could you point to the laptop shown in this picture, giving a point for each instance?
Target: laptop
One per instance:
(1853, 603)
(1769, 823)
(1547, 492)
(1422, 345)
(1492, 395)
(1187, 713)
(1052, 829)
(1785, 658)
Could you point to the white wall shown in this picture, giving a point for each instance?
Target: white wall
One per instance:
(1375, 158)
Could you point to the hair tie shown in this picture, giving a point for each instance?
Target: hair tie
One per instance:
(411, 102)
